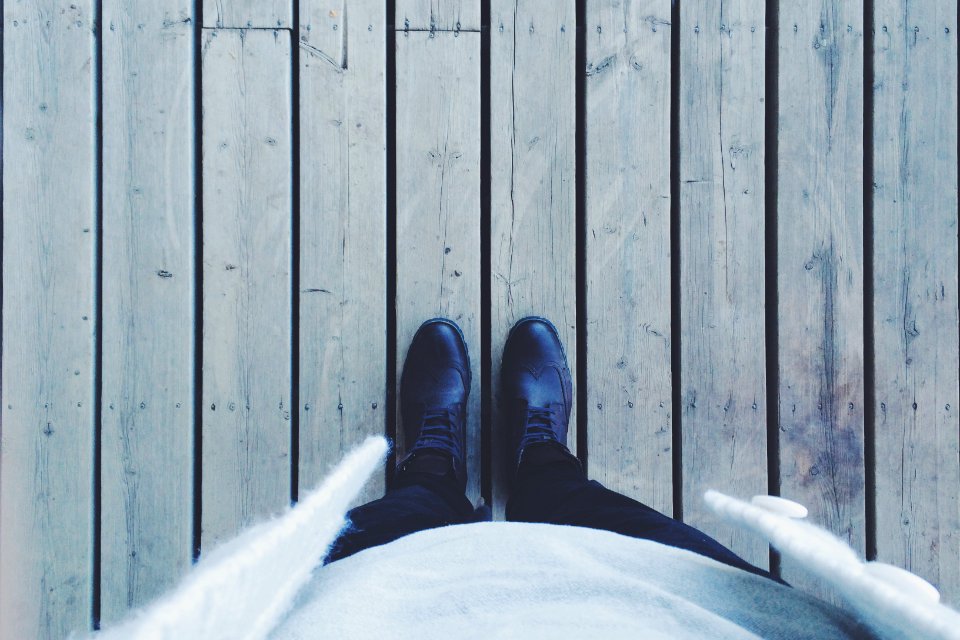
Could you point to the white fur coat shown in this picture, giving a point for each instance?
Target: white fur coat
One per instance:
(524, 580)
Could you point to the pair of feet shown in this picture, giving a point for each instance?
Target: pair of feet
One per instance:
(536, 396)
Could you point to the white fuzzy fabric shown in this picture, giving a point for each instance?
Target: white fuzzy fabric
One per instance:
(524, 580)
(893, 612)
(241, 589)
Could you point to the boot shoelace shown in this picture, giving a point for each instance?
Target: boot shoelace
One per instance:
(541, 425)
(438, 431)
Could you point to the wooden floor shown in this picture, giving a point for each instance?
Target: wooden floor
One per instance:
(224, 220)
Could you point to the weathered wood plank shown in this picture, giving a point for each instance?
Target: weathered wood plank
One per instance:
(820, 265)
(628, 249)
(243, 14)
(438, 15)
(723, 364)
(148, 293)
(438, 201)
(49, 231)
(533, 185)
(246, 278)
(915, 290)
(342, 235)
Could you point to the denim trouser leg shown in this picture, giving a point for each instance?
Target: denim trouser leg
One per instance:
(554, 493)
(560, 493)
(419, 501)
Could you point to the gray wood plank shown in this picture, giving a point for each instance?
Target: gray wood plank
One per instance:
(628, 249)
(243, 14)
(342, 235)
(820, 266)
(148, 292)
(438, 201)
(438, 15)
(723, 364)
(49, 235)
(915, 290)
(246, 278)
(533, 187)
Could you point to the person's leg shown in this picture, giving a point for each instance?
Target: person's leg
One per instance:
(419, 501)
(430, 481)
(552, 488)
(536, 400)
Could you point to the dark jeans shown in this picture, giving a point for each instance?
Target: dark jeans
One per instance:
(555, 493)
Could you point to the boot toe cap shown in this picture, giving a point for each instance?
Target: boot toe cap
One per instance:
(535, 339)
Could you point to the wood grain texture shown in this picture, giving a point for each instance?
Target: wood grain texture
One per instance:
(628, 249)
(244, 14)
(915, 290)
(723, 363)
(438, 15)
(342, 236)
(246, 279)
(820, 266)
(438, 202)
(533, 187)
(148, 299)
(49, 235)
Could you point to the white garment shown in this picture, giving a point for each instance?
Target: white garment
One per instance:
(518, 580)
(521, 580)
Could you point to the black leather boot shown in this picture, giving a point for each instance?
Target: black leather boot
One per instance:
(536, 392)
(434, 388)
